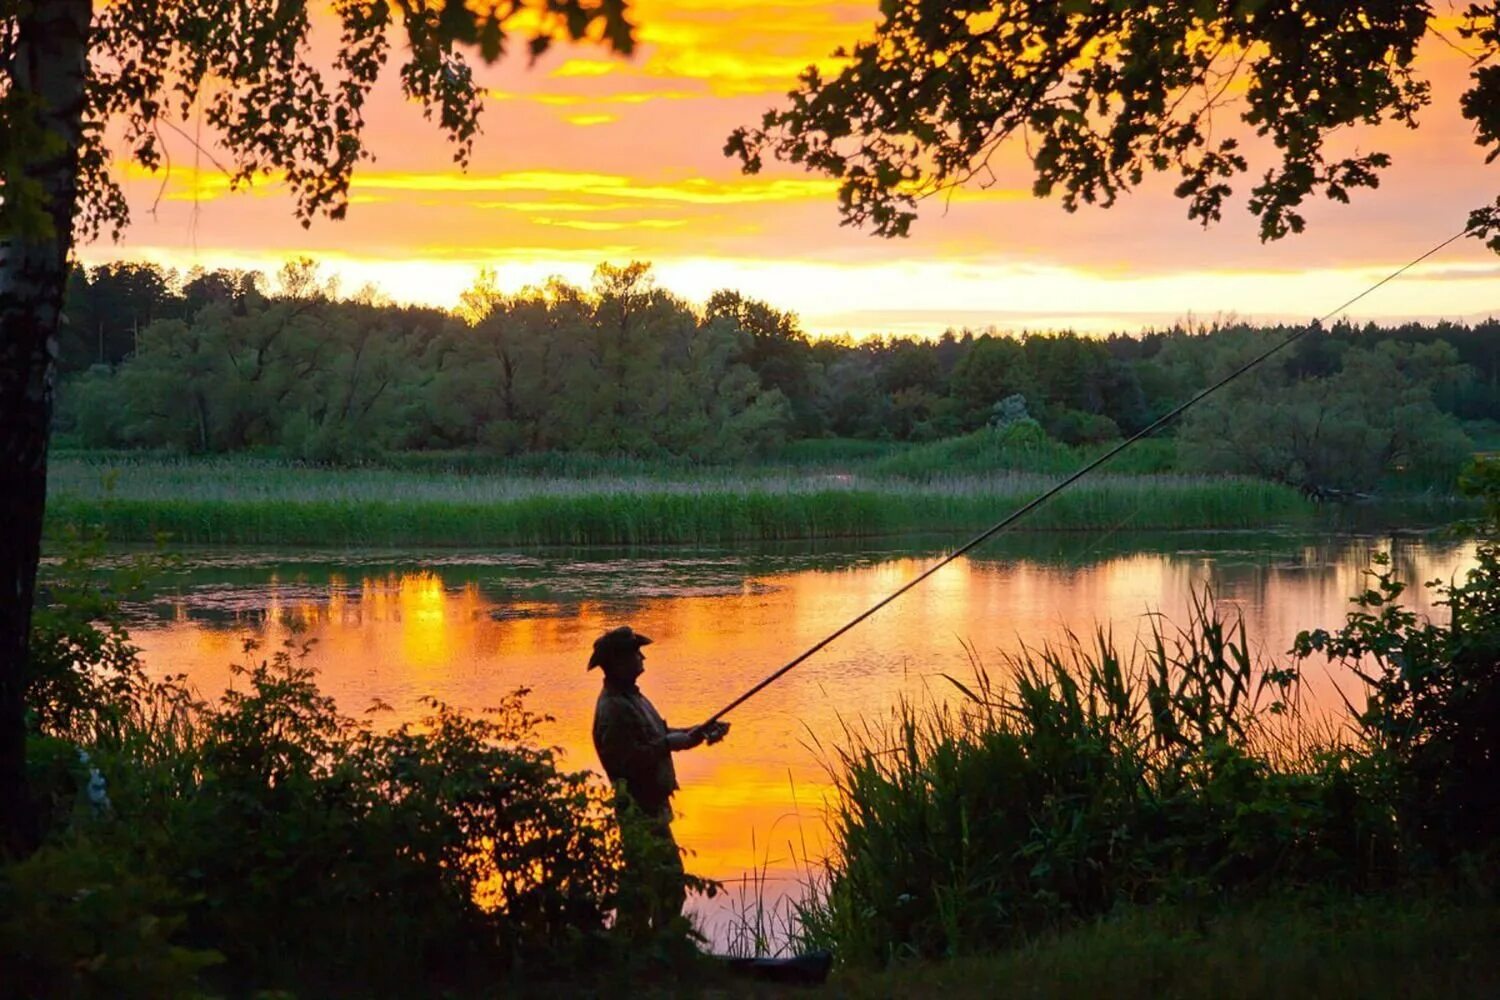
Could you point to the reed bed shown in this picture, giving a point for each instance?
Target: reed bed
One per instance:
(261, 502)
(1090, 780)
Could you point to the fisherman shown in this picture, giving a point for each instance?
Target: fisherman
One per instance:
(635, 746)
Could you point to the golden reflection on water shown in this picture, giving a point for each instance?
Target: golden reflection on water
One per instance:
(757, 798)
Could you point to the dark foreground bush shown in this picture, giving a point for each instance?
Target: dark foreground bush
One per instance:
(312, 852)
(268, 842)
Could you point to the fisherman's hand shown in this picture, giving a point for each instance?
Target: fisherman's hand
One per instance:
(713, 732)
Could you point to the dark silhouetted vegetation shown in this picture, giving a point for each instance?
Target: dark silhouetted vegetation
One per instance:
(1091, 782)
(265, 840)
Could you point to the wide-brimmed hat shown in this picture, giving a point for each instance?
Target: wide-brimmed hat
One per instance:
(616, 643)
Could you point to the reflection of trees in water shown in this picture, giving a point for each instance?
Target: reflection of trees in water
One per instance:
(1238, 565)
(1325, 576)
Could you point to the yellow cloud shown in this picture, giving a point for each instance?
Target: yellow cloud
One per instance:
(209, 184)
(586, 67)
(730, 73)
(576, 100)
(590, 119)
(740, 47)
(601, 226)
(554, 206)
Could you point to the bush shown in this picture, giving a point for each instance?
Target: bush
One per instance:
(313, 842)
(77, 919)
(1019, 445)
(1088, 782)
(305, 849)
(1431, 719)
(1077, 427)
(314, 851)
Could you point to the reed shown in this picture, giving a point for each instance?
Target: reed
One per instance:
(1088, 782)
(259, 502)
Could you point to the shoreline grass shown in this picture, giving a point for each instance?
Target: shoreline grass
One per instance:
(260, 502)
(1426, 945)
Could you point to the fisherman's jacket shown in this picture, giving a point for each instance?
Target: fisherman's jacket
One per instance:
(631, 740)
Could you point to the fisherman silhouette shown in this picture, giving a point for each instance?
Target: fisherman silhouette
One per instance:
(635, 745)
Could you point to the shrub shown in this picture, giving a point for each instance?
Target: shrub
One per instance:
(308, 850)
(1431, 719)
(78, 919)
(1078, 427)
(1089, 781)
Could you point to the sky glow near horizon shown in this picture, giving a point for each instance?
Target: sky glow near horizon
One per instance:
(586, 158)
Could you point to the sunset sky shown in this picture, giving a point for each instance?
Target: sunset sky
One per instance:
(588, 158)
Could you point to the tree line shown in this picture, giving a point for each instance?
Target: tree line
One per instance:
(223, 361)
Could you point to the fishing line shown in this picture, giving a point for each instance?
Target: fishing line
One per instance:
(1033, 504)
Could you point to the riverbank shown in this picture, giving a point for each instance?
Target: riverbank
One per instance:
(244, 501)
(1419, 945)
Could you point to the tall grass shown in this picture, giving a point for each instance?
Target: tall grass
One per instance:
(268, 503)
(1089, 781)
(1310, 945)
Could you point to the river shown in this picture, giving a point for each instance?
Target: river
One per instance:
(468, 627)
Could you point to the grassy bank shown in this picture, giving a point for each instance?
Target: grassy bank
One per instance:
(1335, 947)
(245, 501)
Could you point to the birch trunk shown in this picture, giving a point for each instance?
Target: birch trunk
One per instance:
(48, 72)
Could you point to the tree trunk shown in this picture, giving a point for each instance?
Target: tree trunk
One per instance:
(47, 74)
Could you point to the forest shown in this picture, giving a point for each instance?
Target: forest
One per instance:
(214, 362)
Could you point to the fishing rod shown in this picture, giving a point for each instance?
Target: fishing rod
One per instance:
(1033, 504)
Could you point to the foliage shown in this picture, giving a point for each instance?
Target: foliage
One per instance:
(1422, 943)
(1372, 421)
(1107, 91)
(628, 369)
(277, 111)
(79, 919)
(1020, 446)
(301, 847)
(571, 380)
(1432, 704)
(83, 676)
(1087, 782)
